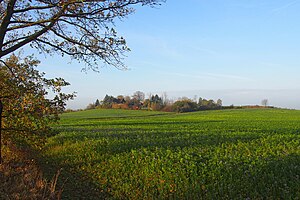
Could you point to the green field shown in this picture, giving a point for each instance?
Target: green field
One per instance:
(228, 154)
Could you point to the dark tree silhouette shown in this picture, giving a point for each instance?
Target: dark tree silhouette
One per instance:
(81, 29)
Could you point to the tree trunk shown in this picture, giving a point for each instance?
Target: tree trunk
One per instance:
(1, 108)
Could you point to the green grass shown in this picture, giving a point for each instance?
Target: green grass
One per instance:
(229, 154)
(107, 114)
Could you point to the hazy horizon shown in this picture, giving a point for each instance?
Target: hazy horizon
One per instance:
(238, 51)
(275, 98)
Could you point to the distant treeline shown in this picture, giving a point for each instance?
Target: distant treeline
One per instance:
(155, 102)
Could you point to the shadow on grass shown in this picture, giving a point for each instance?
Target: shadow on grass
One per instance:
(106, 118)
(276, 178)
(81, 186)
(152, 123)
(119, 141)
(74, 184)
(272, 178)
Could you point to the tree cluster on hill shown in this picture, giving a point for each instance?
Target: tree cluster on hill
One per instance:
(188, 105)
(155, 102)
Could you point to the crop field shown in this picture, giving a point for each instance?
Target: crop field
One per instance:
(227, 154)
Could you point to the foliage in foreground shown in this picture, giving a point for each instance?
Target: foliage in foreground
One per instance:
(27, 109)
(229, 154)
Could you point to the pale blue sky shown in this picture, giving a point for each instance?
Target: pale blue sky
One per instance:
(241, 51)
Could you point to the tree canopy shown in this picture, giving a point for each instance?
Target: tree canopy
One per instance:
(81, 29)
(24, 90)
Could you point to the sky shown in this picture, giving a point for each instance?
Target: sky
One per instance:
(241, 51)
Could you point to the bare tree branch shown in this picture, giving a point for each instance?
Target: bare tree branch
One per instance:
(81, 29)
(34, 36)
(5, 21)
(34, 8)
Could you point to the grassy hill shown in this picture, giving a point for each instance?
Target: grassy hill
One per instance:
(227, 154)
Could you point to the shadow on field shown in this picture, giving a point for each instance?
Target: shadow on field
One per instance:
(279, 177)
(116, 141)
(152, 123)
(275, 178)
(74, 184)
(106, 118)
(235, 178)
